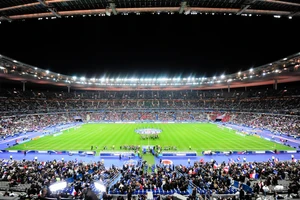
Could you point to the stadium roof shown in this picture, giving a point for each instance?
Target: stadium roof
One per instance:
(284, 70)
(25, 9)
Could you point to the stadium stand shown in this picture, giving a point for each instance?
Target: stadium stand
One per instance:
(31, 179)
(248, 108)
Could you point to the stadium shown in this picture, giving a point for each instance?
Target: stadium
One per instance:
(68, 135)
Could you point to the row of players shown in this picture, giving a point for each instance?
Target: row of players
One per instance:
(136, 148)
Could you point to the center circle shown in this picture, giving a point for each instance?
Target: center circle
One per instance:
(148, 131)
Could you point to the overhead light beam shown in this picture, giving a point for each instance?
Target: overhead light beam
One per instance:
(43, 3)
(52, 10)
(293, 14)
(182, 7)
(243, 10)
(6, 18)
(112, 6)
(245, 7)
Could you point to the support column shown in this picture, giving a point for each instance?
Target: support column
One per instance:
(245, 89)
(69, 88)
(275, 84)
(24, 85)
(228, 87)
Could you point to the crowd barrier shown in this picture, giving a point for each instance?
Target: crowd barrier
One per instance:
(82, 153)
(117, 154)
(178, 154)
(222, 153)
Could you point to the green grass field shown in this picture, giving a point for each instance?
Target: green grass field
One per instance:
(199, 136)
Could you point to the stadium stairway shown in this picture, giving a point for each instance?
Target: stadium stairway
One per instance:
(190, 189)
(114, 181)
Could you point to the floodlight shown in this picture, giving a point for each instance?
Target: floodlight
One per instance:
(187, 12)
(222, 76)
(251, 70)
(82, 78)
(74, 78)
(47, 71)
(239, 73)
(107, 12)
(58, 186)
(214, 77)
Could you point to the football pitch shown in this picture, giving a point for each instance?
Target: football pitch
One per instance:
(201, 137)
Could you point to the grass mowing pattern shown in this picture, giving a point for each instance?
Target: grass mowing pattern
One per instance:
(199, 136)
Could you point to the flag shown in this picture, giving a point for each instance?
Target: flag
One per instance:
(221, 116)
(216, 166)
(226, 169)
(253, 175)
(73, 192)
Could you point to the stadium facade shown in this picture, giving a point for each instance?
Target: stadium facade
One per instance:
(52, 9)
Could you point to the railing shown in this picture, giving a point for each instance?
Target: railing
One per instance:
(6, 114)
(178, 173)
(112, 181)
(223, 196)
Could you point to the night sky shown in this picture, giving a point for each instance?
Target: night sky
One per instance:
(149, 45)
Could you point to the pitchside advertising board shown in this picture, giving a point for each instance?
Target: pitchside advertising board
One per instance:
(179, 154)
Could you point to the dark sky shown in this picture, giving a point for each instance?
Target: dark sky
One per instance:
(148, 45)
